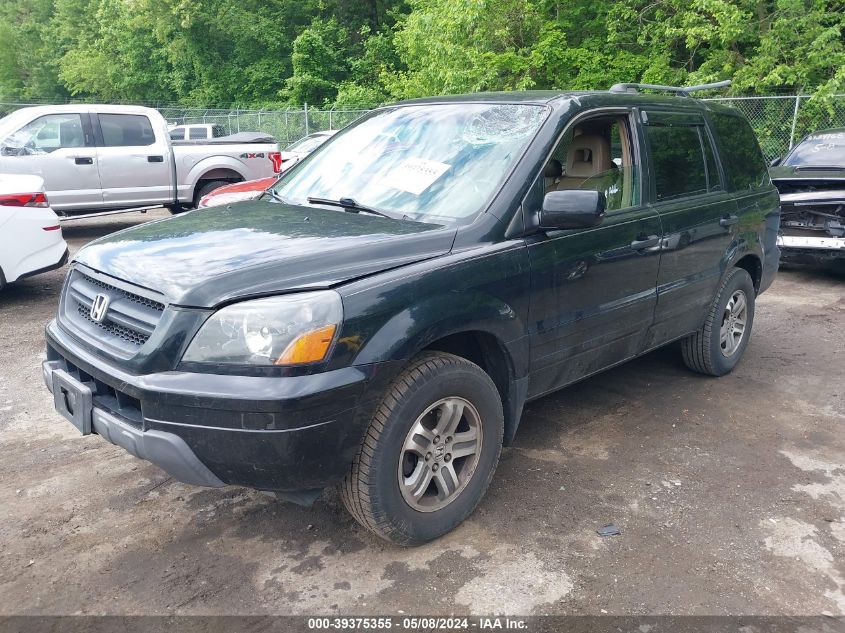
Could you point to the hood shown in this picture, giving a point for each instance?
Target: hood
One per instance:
(806, 172)
(798, 184)
(212, 256)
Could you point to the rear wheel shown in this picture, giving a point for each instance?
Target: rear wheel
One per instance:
(206, 188)
(717, 347)
(429, 453)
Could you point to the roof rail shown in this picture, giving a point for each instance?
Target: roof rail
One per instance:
(682, 91)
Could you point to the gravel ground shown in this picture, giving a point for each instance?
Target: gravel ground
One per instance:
(729, 494)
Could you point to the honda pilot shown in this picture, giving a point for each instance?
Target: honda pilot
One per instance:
(378, 319)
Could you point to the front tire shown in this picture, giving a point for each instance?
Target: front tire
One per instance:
(717, 347)
(429, 453)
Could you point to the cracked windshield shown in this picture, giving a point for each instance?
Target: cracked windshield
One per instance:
(429, 162)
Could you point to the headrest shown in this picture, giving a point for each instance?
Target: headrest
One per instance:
(588, 155)
(553, 169)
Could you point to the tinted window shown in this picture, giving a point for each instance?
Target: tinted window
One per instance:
(177, 134)
(742, 159)
(126, 130)
(677, 159)
(822, 149)
(197, 133)
(45, 134)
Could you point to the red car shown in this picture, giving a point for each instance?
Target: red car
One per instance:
(251, 189)
(236, 192)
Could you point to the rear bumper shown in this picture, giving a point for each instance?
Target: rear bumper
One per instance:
(771, 263)
(52, 262)
(269, 433)
(47, 258)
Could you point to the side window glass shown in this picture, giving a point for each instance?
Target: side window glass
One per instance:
(596, 154)
(197, 133)
(126, 130)
(742, 159)
(677, 159)
(177, 134)
(44, 135)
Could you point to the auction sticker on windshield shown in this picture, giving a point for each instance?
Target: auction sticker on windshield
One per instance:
(415, 175)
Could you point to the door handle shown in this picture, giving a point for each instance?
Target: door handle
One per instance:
(645, 242)
(155, 159)
(728, 220)
(83, 160)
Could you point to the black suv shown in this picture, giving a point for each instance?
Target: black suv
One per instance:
(379, 318)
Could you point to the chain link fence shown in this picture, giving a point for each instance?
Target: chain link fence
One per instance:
(779, 121)
(286, 126)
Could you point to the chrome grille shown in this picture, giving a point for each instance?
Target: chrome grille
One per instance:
(128, 323)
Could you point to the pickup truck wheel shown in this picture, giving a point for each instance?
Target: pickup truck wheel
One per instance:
(206, 188)
(717, 347)
(429, 453)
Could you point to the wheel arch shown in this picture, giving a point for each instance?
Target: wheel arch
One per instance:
(497, 344)
(752, 264)
(221, 168)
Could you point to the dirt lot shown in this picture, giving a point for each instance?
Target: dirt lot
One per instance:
(730, 495)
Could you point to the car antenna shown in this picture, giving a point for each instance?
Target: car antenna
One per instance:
(681, 91)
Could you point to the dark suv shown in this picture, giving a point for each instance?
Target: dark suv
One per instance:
(378, 319)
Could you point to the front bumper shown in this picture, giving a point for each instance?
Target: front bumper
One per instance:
(270, 433)
(800, 250)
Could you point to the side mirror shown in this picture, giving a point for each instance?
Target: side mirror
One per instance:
(572, 209)
(776, 161)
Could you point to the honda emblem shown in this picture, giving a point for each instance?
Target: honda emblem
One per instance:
(99, 308)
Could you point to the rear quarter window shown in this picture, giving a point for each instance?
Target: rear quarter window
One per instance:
(740, 152)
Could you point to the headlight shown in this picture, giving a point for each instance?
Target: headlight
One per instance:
(287, 330)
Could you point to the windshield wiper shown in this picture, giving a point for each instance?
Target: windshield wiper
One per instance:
(349, 205)
(275, 196)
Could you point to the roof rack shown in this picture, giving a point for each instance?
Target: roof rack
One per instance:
(682, 91)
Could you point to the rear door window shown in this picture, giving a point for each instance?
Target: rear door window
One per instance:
(126, 130)
(197, 133)
(683, 158)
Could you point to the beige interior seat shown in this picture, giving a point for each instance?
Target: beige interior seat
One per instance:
(588, 156)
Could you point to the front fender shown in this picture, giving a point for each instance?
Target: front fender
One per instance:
(394, 315)
(415, 327)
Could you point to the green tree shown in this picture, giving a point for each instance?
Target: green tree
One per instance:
(450, 46)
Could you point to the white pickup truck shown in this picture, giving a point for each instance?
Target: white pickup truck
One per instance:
(107, 157)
